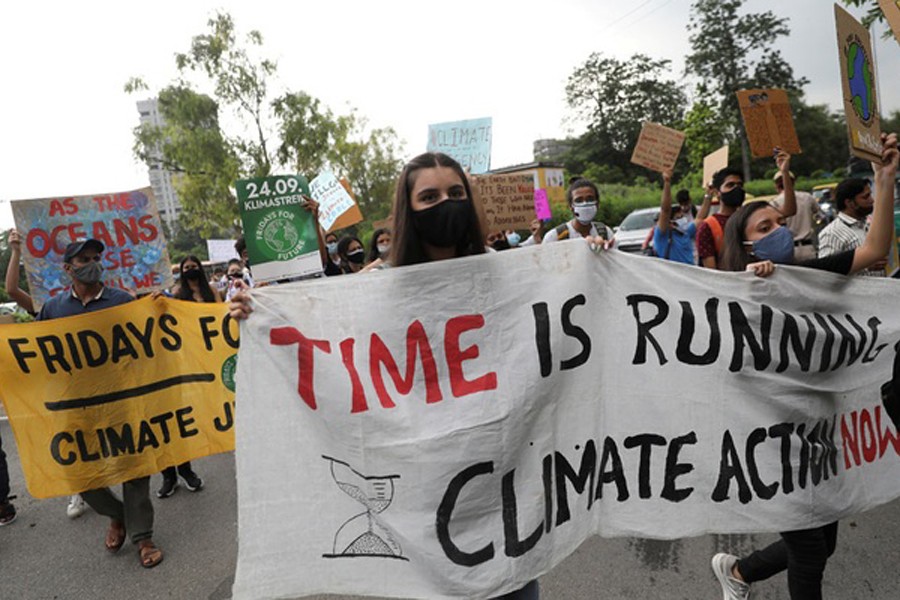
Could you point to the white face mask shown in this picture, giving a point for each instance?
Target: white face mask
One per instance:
(383, 249)
(585, 213)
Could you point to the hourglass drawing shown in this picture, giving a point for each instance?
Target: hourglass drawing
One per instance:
(362, 534)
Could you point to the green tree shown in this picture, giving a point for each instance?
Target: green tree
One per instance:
(704, 132)
(731, 52)
(614, 98)
(873, 13)
(823, 137)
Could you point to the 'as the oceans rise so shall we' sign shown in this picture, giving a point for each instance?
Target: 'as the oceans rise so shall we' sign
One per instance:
(281, 236)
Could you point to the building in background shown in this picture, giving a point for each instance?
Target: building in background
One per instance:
(163, 189)
(550, 150)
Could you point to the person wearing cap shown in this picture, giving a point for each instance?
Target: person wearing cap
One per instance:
(802, 224)
(134, 513)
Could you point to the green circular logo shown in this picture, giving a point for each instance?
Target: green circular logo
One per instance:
(229, 368)
(279, 236)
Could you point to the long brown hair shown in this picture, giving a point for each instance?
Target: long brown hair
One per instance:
(406, 247)
(734, 254)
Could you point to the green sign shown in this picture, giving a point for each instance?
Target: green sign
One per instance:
(282, 240)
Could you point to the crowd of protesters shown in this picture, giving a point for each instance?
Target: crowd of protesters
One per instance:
(434, 219)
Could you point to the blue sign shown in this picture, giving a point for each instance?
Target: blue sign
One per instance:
(468, 142)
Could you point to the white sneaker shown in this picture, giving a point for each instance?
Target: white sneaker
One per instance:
(76, 506)
(732, 589)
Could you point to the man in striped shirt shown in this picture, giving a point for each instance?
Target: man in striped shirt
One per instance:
(854, 200)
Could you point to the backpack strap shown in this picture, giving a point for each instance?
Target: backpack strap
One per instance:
(717, 232)
(562, 231)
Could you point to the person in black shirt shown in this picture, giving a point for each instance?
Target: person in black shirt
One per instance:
(756, 239)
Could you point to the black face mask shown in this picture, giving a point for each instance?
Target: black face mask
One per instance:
(191, 275)
(357, 257)
(501, 244)
(446, 224)
(734, 198)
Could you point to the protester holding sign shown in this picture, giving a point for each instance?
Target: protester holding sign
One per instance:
(583, 198)
(728, 185)
(192, 287)
(756, 239)
(134, 513)
(20, 296)
(673, 236)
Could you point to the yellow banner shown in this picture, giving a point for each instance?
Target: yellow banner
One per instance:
(105, 397)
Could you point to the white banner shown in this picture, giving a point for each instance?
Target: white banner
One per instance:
(456, 429)
(220, 250)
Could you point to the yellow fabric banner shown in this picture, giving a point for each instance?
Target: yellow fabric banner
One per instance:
(104, 397)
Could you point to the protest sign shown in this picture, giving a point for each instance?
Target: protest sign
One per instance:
(542, 205)
(713, 163)
(858, 85)
(768, 122)
(105, 397)
(508, 200)
(469, 425)
(220, 250)
(127, 223)
(350, 217)
(281, 235)
(657, 147)
(333, 199)
(468, 142)
(891, 10)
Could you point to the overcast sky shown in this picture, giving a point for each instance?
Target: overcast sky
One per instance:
(66, 123)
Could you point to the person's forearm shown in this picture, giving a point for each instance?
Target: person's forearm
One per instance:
(789, 206)
(12, 271)
(882, 228)
(665, 206)
(704, 209)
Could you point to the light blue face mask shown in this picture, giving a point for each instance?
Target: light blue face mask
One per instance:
(777, 246)
(513, 238)
(331, 247)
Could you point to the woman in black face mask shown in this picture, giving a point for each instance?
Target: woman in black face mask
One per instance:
(434, 217)
(352, 254)
(193, 287)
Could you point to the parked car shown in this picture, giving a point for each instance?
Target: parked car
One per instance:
(633, 230)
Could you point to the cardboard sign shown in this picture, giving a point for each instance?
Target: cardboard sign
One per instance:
(891, 10)
(468, 426)
(508, 200)
(220, 250)
(713, 163)
(542, 205)
(351, 216)
(467, 142)
(657, 147)
(127, 223)
(127, 392)
(768, 122)
(332, 197)
(281, 235)
(858, 84)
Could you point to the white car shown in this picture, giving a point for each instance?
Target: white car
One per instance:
(633, 230)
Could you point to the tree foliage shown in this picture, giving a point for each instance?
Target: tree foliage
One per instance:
(731, 51)
(291, 131)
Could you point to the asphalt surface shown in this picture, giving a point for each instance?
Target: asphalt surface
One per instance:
(45, 555)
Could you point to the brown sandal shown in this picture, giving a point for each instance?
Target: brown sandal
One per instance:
(115, 536)
(149, 554)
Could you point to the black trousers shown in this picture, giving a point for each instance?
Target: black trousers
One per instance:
(4, 474)
(803, 553)
(171, 473)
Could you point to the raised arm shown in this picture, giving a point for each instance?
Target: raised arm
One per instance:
(783, 161)
(665, 205)
(704, 208)
(878, 241)
(20, 296)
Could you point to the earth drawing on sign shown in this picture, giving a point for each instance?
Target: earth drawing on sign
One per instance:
(859, 74)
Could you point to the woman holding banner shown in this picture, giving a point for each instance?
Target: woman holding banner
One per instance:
(434, 219)
(193, 286)
(756, 239)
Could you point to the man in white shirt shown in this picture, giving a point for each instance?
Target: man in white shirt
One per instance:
(854, 201)
(583, 199)
(802, 224)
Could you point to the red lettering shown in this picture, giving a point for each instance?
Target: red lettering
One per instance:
(56, 208)
(71, 207)
(850, 440)
(885, 435)
(359, 403)
(416, 345)
(459, 385)
(126, 259)
(100, 232)
(148, 232)
(125, 230)
(143, 282)
(286, 336)
(38, 242)
(867, 432)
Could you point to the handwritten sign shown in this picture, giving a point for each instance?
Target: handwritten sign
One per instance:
(508, 200)
(220, 250)
(542, 205)
(713, 163)
(657, 147)
(858, 84)
(282, 240)
(891, 10)
(768, 122)
(126, 222)
(467, 142)
(333, 199)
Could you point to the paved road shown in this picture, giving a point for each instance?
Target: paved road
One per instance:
(46, 556)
